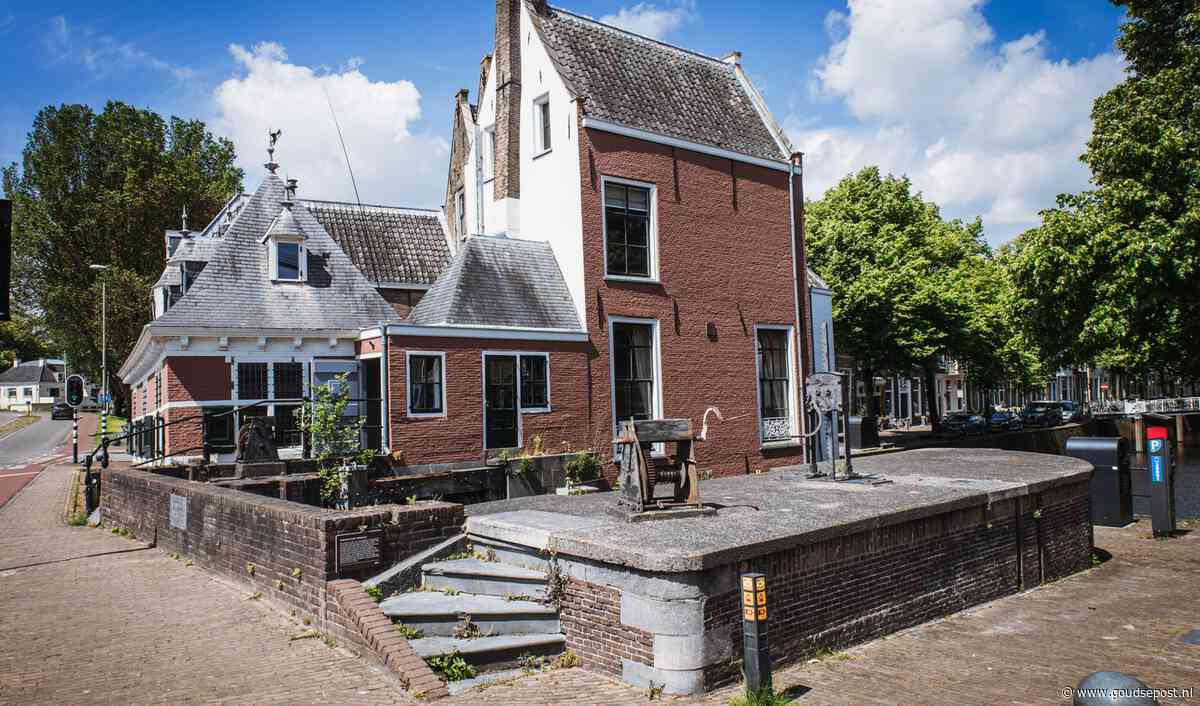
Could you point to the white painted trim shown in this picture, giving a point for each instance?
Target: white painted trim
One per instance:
(536, 121)
(651, 237)
(612, 372)
(512, 333)
(618, 129)
(789, 336)
(408, 387)
(401, 285)
(764, 113)
(369, 356)
(549, 400)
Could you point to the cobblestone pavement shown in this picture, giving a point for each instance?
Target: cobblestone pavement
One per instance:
(88, 617)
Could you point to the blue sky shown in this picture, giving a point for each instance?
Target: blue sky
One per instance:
(984, 105)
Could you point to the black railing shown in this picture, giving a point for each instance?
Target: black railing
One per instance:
(138, 431)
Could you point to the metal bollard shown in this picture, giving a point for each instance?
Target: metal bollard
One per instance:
(755, 652)
(75, 436)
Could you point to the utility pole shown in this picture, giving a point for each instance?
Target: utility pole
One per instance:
(103, 349)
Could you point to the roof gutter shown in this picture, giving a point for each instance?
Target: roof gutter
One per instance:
(492, 332)
(618, 129)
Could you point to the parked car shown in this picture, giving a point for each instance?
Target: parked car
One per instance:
(1006, 421)
(1076, 411)
(964, 423)
(1042, 413)
(62, 410)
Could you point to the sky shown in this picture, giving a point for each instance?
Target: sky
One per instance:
(984, 105)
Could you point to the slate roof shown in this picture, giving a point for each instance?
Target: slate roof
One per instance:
(234, 290)
(642, 83)
(389, 245)
(814, 280)
(27, 374)
(194, 249)
(496, 281)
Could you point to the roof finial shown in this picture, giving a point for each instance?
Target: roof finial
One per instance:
(271, 165)
(184, 228)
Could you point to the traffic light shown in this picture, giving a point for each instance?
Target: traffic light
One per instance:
(75, 390)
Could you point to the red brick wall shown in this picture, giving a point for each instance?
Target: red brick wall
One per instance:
(459, 436)
(197, 378)
(591, 620)
(720, 261)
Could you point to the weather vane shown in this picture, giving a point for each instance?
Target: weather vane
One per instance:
(274, 135)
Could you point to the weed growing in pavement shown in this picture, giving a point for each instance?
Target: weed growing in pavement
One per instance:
(566, 660)
(764, 696)
(375, 592)
(531, 663)
(304, 635)
(654, 693)
(188, 562)
(296, 573)
(250, 568)
(330, 642)
(408, 632)
(469, 629)
(77, 520)
(257, 595)
(452, 666)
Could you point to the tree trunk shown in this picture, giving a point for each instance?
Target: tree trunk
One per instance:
(931, 400)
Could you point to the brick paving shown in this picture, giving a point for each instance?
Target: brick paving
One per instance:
(89, 617)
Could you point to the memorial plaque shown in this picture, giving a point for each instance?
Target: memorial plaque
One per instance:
(356, 550)
(178, 511)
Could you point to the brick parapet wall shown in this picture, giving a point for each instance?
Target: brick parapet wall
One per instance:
(846, 590)
(353, 617)
(228, 529)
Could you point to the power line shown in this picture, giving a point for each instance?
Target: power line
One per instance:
(344, 152)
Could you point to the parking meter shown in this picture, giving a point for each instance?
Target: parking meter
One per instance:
(1160, 457)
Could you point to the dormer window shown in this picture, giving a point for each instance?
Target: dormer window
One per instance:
(288, 260)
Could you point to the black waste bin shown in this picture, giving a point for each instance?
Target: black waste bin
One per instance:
(1111, 489)
(864, 432)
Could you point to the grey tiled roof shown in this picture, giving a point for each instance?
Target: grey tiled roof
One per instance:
(495, 281)
(814, 280)
(234, 290)
(27, 374)
(389, 245)
(194, 249)
(645, 84)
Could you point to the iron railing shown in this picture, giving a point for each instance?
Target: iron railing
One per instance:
(138, 431)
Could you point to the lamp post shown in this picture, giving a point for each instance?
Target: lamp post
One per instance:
(103, 348)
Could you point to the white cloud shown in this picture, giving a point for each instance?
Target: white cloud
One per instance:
(981, 128)
(102, 54)
(392, 165)
(652, 21)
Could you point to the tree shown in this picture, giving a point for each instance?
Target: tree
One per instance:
(102, 188)
(894, 267)
(19, 340)
(1112, 276)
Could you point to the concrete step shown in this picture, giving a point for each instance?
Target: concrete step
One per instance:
(494, 652)
(490, 578)
(438, 614)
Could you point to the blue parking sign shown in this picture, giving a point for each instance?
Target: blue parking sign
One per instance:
(1156, 445)
(1156, 469)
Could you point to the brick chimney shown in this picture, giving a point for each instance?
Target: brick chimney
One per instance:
(507, 61)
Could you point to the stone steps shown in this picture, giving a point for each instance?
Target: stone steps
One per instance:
(494, 652)
(439, 614)
(487, 578)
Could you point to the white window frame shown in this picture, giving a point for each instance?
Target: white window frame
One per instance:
(408, 386)
(652, 236)
(275, 260)
(549, 403)
(793, 419)
(488, 152)
(540, 123)
(460, 207)
(656, 337)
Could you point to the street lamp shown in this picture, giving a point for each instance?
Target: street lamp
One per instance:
(103, 342)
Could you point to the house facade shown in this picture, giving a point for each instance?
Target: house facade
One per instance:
(621, 238)
(32, 383)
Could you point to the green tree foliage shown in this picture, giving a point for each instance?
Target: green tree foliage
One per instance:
(19, 340)
(102, 188)
(336, 438)
(1113, 275)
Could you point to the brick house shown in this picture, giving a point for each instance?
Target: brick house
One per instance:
(653, 273)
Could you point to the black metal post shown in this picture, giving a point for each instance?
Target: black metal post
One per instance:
(74, 435)
(307, 453)
(846, 426)
(87, 486)
(204, 438)
(755, 652)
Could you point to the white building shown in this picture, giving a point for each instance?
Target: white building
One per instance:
(33, 382)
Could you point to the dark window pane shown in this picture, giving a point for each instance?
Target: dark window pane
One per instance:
(252, 381)
(287, 425)
(638, 260)
(289, 261)
(627, 230)
(633, 371)
(534, 387)
(545, 110)
(425, 384)
(772, 373)
(220, 428)
(637, 230)
(289, 381)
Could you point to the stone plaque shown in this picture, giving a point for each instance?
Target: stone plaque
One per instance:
(178, 511)
(356, 550)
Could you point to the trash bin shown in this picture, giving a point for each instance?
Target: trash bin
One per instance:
(1111, 488)
(864, 432)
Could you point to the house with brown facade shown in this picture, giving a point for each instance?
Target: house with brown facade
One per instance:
(621, 238)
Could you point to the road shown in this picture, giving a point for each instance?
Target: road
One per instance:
(23, 453)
